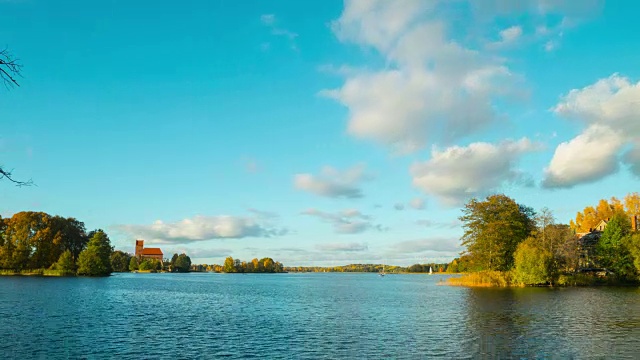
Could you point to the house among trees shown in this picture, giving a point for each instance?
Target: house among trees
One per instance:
(587, 242)
(147, 253)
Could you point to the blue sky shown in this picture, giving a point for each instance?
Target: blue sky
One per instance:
(316, 132)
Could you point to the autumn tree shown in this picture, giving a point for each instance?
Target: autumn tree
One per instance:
(587, 220)
(632, 204)
(229, 265)
(267, 264)
(493, 229)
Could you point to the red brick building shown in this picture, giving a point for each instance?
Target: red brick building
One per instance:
(147, 253)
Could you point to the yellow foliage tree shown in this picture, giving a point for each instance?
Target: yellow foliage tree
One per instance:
(632, 203)
(590, 216)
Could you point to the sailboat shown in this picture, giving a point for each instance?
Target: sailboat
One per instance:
(382, 273)
(430, 271)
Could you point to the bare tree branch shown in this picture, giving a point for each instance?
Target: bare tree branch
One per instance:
(9, 69)
(7, 174)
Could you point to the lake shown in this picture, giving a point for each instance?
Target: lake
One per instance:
(308, 316)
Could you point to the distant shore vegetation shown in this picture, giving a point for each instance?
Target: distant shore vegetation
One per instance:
(509, 244)
(36, 243)
(373, 268)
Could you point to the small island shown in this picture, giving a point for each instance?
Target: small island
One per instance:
(508, 244)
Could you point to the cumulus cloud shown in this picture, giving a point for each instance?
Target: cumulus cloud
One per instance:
(200, 228)
(349, 247)
(610, 111)
(458, 173)
(588, 157)
(436, 86)
(401, 106)
(433, 87)
(350, 221)
(333, 183)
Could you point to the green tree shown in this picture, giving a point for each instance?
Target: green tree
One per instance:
(95, 260)
(229, 265)
(133, 264)
(183, 263)
(120, 261)
(533, 263)
(173, 262)
(65, 263)
(147, 264)
(611, 250)
(493, 230)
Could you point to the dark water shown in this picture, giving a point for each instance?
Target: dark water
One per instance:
(309, 316)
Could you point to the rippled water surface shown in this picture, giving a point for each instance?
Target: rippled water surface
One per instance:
(309, 316)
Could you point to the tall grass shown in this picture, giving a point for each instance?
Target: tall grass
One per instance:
(36, 272)
(483, 279)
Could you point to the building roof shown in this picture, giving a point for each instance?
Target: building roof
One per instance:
(151, 251)
(590, 239)
(602, 223)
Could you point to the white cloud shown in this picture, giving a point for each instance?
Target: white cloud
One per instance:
(458, 173)
(333, 183)
(434, 89)
(613, 102)
(350, 221)
(347, 247)
(588, 157)
(610, 110)
(200, 228)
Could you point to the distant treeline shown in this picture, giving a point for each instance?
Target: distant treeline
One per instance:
(39, 243)
(123, 262)
(416, 268)
(231, 265)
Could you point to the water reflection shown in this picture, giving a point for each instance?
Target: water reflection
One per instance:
(553, 323)
(310, 316)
